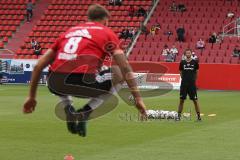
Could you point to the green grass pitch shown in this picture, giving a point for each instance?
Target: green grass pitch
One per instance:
(41, 136)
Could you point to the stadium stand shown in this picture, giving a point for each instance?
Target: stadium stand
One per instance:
(62, 14)
(12, 14)
(200, 20)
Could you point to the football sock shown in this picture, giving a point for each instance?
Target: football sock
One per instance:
(179, 114)
(198, 116)
(70, 119)
(178, 118)
(96, 102)
(84, 112)
(66, 100)
(82, 120)
(70, 112)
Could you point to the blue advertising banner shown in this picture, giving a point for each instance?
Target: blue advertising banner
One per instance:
(19, 71)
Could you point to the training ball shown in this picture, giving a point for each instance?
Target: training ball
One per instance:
(152, 114)
(69, 157)
(172, 115)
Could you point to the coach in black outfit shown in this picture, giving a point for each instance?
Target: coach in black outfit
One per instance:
(189, 70)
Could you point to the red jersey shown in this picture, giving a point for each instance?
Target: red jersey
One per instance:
(83, 48)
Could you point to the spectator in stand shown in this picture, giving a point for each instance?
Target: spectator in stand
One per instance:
(29, 10)
(115, 2)
(173, 7)
(157, 28)
(131, 33)
(37, 49)
(127, 33)
(118, 2)
(181, 8)
(33, 43)
(174, 50)
(194, 56)
(111, 2)
(170, 57)
(236, 52)
(200, 44)
(157, 25)
(230, 15)
(166, 50)
(153, 30)
(131, 11)
(144, 30)
(181, 34)
(168, 33)
(123, 34)
(213, 38)
(141, 12)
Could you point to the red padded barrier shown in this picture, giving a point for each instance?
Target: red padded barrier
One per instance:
(211, 76)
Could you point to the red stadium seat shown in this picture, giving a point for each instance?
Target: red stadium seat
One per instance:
(5, 39)
(213, 53)
(221, 53)
(202, 59)
(219, 60)
(227, 60)
(135, 51)
(1, 45)
(155, 58)
(201, 19)
(139, 58)
(210, 59)
(147, 58)
(132, 58)
(235, 60)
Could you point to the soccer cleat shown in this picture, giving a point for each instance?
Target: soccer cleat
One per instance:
(178, 117)
(70, 119)
(199, 119)
(82, 122)
(82, 128)
(83, 116)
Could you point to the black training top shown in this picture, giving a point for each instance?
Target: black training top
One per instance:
(189, 71)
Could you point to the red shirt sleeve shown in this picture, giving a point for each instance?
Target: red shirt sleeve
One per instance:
(113, 43)
(114, 38)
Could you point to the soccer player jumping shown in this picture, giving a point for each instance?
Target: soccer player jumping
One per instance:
(76, 60)
(189, 70)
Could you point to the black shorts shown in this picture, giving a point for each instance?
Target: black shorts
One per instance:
(79, 84)
(190, 90)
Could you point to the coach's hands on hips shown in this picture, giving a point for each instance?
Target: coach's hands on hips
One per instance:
(142, 109)
(29, 105)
